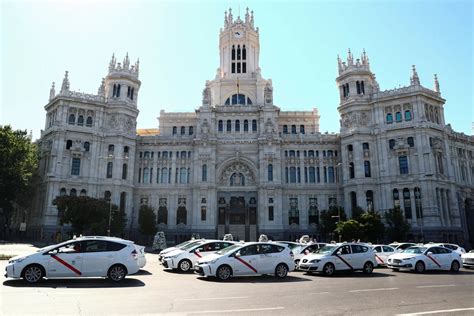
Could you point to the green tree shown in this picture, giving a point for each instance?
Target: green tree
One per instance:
(372, 226)
(18, 162)
(89, 215)
(397, 226)
(328, 219)
(357, 213)
(146, 221)
(350, 229)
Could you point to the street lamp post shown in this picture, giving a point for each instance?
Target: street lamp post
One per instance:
(337, 195)
(110, 215)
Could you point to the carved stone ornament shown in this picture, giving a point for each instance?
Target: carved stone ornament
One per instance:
(206, 96)
(268, 94)
(237, 174)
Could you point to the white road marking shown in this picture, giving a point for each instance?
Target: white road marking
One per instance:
(319, 293)
(440, 311)
(441, 285)
(239, 310)
(211, 298)
(382, 289)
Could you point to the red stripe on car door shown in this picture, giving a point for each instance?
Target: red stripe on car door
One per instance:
(67, 265)
(432, 259)
(347, 263)
(198, 255)
(380, 259)
(247, 264)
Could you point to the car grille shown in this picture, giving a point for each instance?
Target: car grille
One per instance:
(199, 270)
(469, 260)
(165, 264)
(397, 261)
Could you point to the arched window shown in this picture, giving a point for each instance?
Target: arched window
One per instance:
(204, 173)
(126, 151)
(111, 149)
(183, 154)
(162, 213)
(110, 167)
(350, 148)
(237, 125)
(398, 117)
(118, 91)
(270, 172)
(254, 125)
(369, 199)
(146, 175)
(80, 120)
(146, 154)
(87, 146)
(389, 118)
(351, 170)
(83, 192)
(367, 171)
(107, 195)
(181, 215)
(301, 129)
(73, 192)
(410, 142)
(175, 130)
(292, 153)
(76, 166)
(238, 99)
(68, 144)
(183, 130)
(165, 154)
(132, 92)
(220, 126)
(285, 129)
(365, 146)
(191, 130)
(89, 121)
(396, 198)
(310, 153)
(229, 126)
(407, 202)
(72, 119)
(353, 199)
(63, 192)
(123, 201)
(124, 171)
(407, 115)
(313, 213)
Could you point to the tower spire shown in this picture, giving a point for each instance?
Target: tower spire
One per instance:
(52, 92)
(350, 58)
(112, 63)
(436, 84)
(65, 85)
(414, 80)
(126, 62)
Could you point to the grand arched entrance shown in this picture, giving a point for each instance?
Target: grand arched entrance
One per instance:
(237, 200)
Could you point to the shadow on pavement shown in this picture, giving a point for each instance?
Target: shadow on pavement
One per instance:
(258, 279)
(143, 272)
(76, 283)
(351, 274)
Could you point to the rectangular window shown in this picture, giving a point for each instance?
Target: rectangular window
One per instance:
(270, 213)
(76, 166)
(367, 169)
(403, 161)
(292, 175)
(294, 214)
(203, 213)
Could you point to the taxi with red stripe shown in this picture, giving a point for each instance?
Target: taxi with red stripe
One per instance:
(340, 257)
(184, 258)
(95, 256)
(248, 259)
(382, 252)
(421, 258)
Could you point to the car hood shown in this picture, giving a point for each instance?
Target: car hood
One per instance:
(167, 250)
(400, 255)
(209, 257)
(174, 253)
(312, 256)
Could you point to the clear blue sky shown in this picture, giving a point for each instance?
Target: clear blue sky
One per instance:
(177, 43)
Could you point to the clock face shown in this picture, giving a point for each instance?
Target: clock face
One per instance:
(238, 34)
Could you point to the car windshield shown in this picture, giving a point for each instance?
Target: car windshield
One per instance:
(228, 249)
(415, 250)
(181, 245)
(290, 244)
(326, 249)
(191, 244)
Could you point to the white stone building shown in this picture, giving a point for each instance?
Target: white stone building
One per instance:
(240, 165)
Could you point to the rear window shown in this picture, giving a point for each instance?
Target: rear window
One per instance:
(115, 246)
(95, 246)
(388, 249)
(359, 248)
(267, 248)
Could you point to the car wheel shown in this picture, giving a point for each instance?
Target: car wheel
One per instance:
(184, 265)
(455, 266)
(368, 267)
(117, 273)
(223, 273)
(420, 267)
(33, 273)
(328, 269)
(281, 270)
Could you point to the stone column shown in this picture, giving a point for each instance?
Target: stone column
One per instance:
(414, 221)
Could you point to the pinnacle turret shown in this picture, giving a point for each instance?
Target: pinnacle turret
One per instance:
(52, 92)
(414, 79)
(436, 84)
(124, 67)
(361, 63)
(65, 85)
(247, 22)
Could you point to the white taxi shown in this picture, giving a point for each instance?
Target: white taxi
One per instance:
(163, 252)
(247, 259)
(382, 252)
(452, 247)
(421, 258)
(468, 260)
(338, 257)
(185, 258)
(303, 250)
(81, 257)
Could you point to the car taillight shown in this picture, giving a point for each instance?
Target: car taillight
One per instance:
(134, 254)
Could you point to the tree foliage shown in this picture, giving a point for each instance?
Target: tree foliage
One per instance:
(147, 220)
(18, 162)
(328, 219)
(397, 226)
(372, 226)
(89, 215)
(350, 229)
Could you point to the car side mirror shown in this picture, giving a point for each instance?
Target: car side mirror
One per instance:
(375, 251)
(430, 253)
(53, 252)
(237, 254)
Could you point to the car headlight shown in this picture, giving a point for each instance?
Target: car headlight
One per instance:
(407, 258)
(208, 262)
(17, 260)
(314, 261)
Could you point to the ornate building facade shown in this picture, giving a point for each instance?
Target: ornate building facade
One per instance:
(241, 165)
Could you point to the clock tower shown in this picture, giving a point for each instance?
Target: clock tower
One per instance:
(239, 47)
